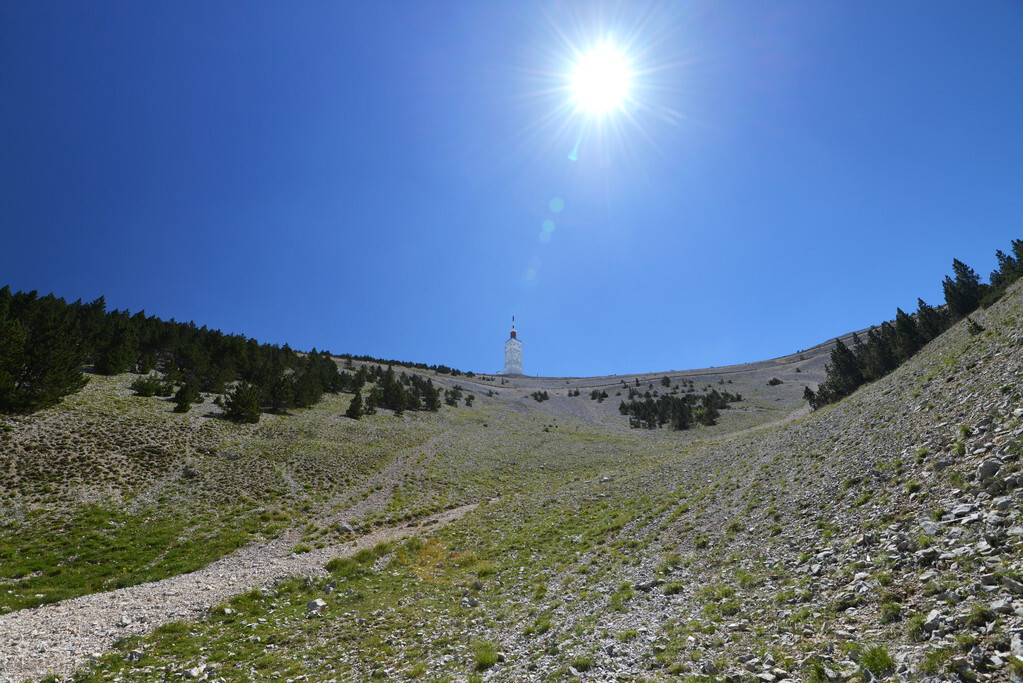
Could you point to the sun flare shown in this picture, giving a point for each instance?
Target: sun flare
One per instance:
(600, 80)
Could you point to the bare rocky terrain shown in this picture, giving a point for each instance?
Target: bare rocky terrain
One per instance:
(876, 539)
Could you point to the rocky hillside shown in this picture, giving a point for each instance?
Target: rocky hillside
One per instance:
(878, 538)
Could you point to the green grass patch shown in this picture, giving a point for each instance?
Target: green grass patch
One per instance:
(52, 557)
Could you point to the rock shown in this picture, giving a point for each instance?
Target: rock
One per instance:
(1003, 606)
(134, 656)
(331, 587)
(1003, 503)
(988, 468)
(647, 586)
(316, 607)
(902, 542)
(933, 621)
(345, 528)
(194, 672)
(940, 465)
(1016, 645)
(1014, 586)
(930, 528)
(989, 579)
(961, 666)
(963, 509)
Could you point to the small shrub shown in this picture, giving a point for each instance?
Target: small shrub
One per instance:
(147, 386)
(817, 672)
(485, 654)
(980, 615)
(582, 663)
(890, 612)
(774, 381)
(877, 660)
(628, 635)
(966, 641)
(934, 661)
(915, 628)
(539, 627)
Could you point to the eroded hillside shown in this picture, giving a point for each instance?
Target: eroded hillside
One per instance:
(875, 538)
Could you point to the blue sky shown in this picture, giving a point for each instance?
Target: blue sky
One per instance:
(374, 178)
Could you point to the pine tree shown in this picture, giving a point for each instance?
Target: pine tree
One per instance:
(242, 404)
(962, 294)
(374, 399)
(13, 339)
(280, 393)
(121, 354)
(431, 396)
(810, 397)
(844, 375)
(879, 357)
(186, 396)
(930, 322)
(40, 354)
(355, 408)
(907, 336)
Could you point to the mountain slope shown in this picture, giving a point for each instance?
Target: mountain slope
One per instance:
(877, 537)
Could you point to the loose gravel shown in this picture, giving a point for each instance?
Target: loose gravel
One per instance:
(56, 638)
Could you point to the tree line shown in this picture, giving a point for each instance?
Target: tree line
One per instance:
(45, 342)
(888, 346)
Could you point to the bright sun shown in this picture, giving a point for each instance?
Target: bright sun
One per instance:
(600, 80)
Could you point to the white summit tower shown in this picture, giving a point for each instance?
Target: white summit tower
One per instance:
(513, 353)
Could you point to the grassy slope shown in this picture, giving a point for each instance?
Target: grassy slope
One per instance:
(549, 571)
(109, 489)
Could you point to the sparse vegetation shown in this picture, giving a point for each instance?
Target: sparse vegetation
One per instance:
(771, 543)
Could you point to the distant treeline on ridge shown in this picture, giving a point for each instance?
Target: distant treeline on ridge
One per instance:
(678, 412)
(888, 346)
(45, 343)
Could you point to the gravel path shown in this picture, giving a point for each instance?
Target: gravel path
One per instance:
(56, 638)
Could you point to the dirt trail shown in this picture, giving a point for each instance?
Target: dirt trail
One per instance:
(54, 639)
